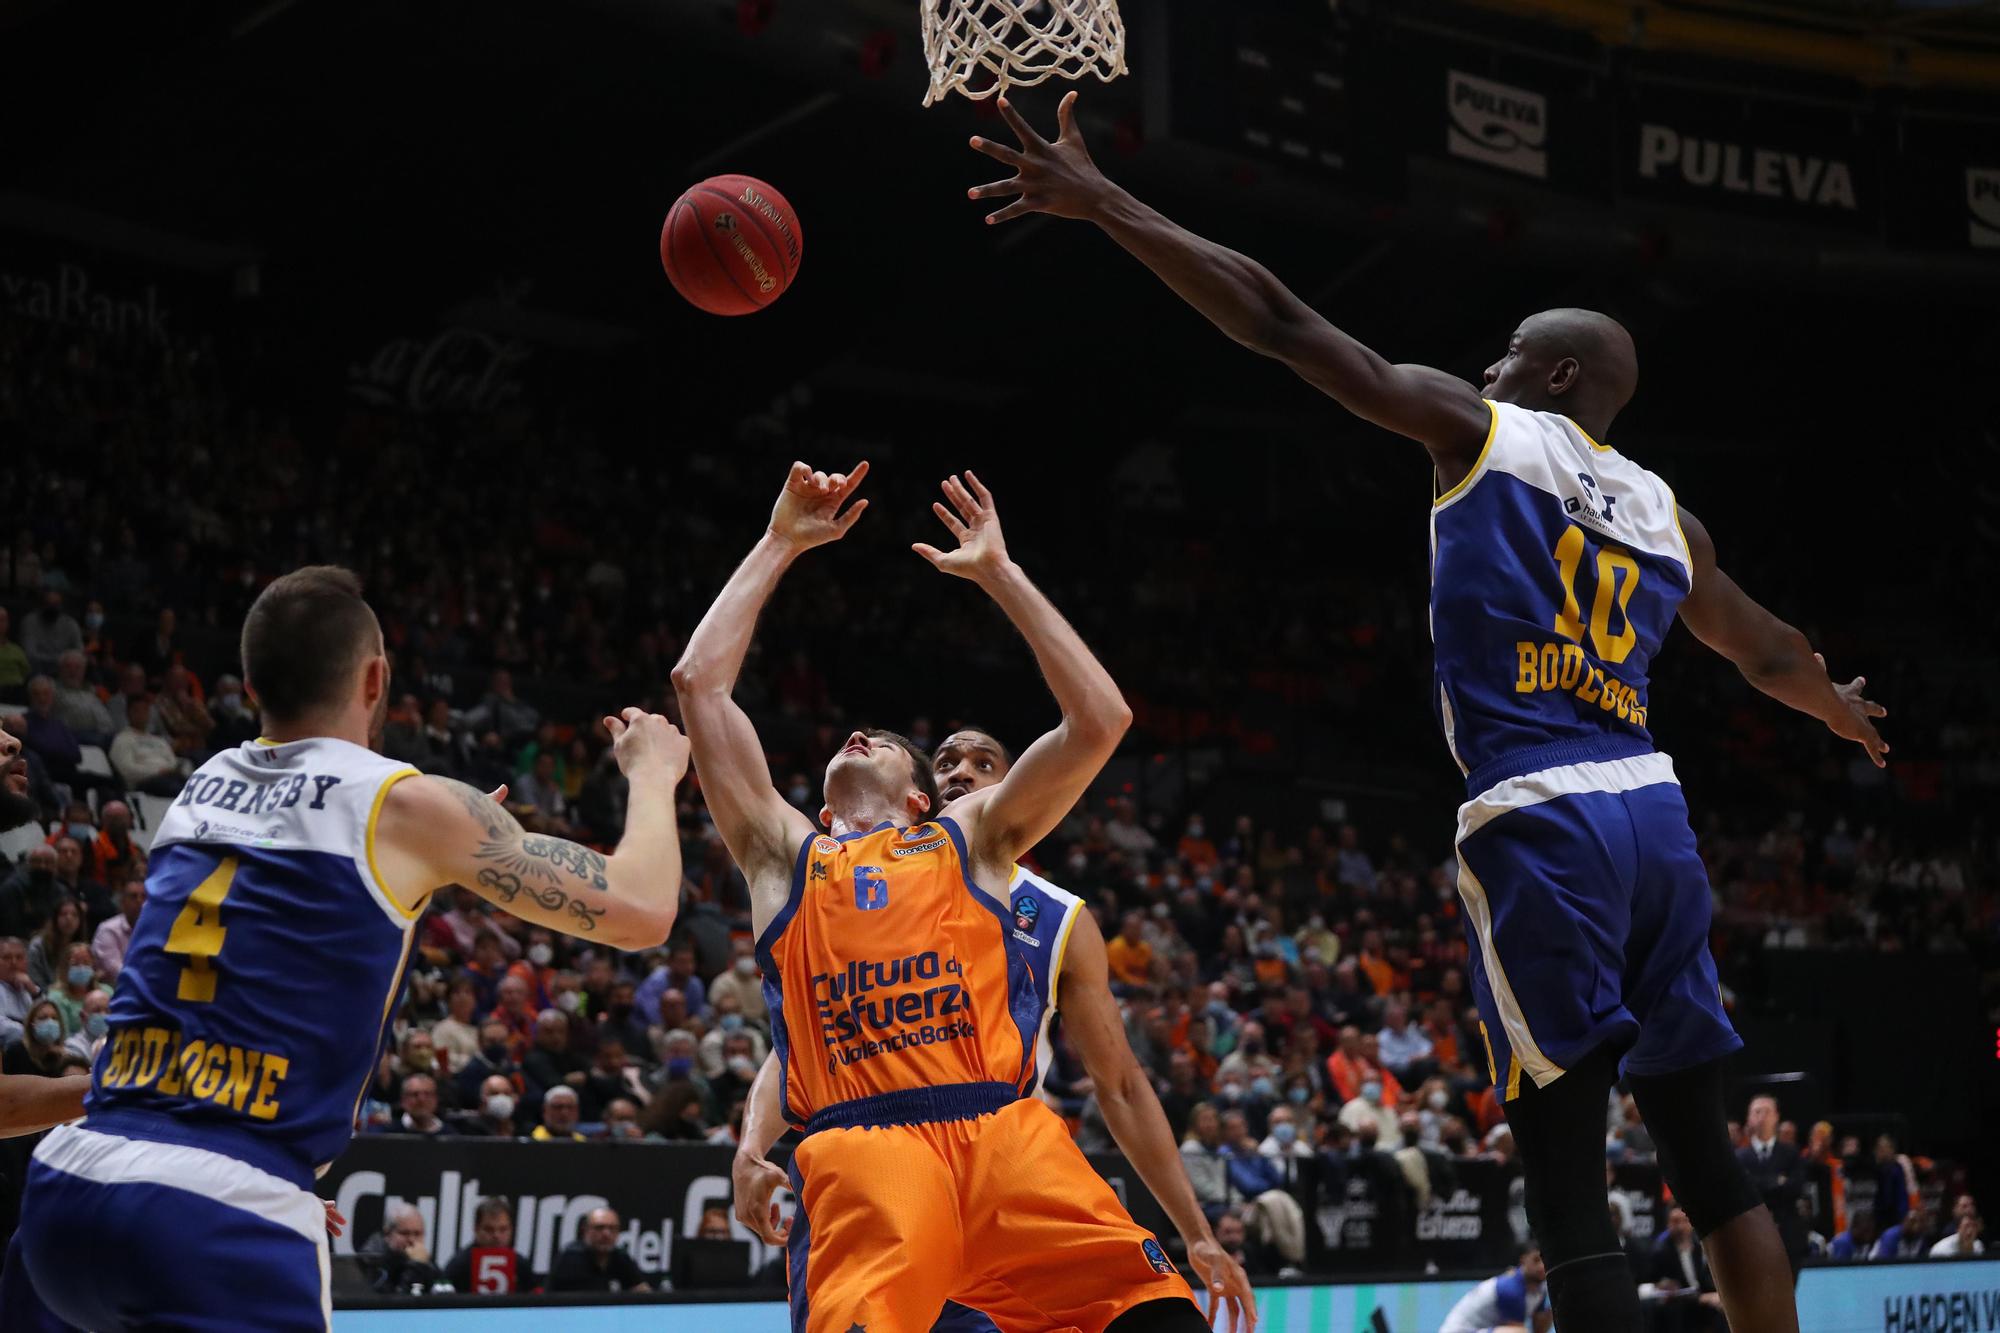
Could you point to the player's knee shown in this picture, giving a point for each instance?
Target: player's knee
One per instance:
(1684, 1113)
(1169, 1314)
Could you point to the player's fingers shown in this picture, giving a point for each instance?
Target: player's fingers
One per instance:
(979, 489)
(961, 499)
(851, 517)
(855, 476)
(999, 152)
(1821, 659)
(498, 795)
(930, 553)
(1012, 211)
(951, 521)
(1022, 129)
(1066, 117)
(995, 189)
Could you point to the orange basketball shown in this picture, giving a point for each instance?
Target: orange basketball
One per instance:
(731, 245)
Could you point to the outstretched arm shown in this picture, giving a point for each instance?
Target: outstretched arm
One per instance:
(436, 831)
(1772, 655)
(1008, 818)
(1239, 295)
(1133, 1114)
(759, 827)
(29, 1102)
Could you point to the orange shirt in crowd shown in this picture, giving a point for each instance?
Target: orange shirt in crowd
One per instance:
(1130, 963)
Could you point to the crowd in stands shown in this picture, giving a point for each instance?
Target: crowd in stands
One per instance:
(1296, 987)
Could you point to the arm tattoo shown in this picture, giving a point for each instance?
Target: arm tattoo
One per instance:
(543, 868)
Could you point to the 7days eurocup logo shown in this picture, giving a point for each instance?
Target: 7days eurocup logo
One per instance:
(1027, 910)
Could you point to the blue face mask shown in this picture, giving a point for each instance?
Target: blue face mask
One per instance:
(94, 1025)
(1300, 1096)
(1286, 1134)
(732, 1023)
(83, 833)
(1261, 1088)
(80, 976)
(48, 1031)
(679, 1067)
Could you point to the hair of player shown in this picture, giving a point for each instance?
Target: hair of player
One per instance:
(302, 639)
(921, 776)
(1006, 755)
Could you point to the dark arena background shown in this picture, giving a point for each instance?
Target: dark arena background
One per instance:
(289, 281)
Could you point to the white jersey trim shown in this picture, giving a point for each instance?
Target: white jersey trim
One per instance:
(1071, 905)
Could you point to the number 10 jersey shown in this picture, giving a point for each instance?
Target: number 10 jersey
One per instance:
(264, 967)
(1557, 566)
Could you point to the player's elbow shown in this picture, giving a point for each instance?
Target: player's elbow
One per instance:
(1782, 652)
(641, 928)
(1103, 724)
(692, 676)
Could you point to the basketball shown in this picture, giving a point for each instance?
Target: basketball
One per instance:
(731, 245)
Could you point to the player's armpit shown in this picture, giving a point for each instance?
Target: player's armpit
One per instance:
(436, 831)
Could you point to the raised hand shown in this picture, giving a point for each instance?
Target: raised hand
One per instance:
(982, 550)
(1853, 723)
(808, 510)
(639, 738)
(1057, 178)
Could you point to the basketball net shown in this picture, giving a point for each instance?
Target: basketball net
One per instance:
(980, 47)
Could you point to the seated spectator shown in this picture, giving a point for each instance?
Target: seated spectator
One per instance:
(618, 1019)
(492, 1115)
(491, 1265)
(514, 1010)
(418, 1106)
(114, 856)
(1858, 1241)
(47, 735)
(676, 973)
(598, 1262)
(236, 720)
(495, 1059)
(83, 1043)
(49, 633)
(131, 685)
(108, 945)
(38, 1049)
(502, 712)
(1206, 1160)
(559, 1117)
(742, 982)
(77, 983)
(538, 798)
(48, 951)
(1251, 1173)
(1678, 1265)
(611, 1076)
(1405, 1050)
(77, 703)
(1231, 1236)
(552, 1063)
(181, 716)
(28, 897)
(18, 993)
(1369, 1110)
(396, 1261)
(1964, 1243)
(1126, 833)
(72, 881)
(454, 1035)
(1908, 1239)
(145, 762)
(621, 1121)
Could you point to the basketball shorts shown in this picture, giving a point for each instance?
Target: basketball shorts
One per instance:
(1000, 1213)
(1587, 911)
(125, 1234)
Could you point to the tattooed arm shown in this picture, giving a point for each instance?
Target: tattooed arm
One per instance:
(435, 831)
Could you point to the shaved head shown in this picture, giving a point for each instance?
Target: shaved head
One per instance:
(1577, 362)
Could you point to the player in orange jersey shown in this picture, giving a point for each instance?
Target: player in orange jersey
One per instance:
(901, 1006)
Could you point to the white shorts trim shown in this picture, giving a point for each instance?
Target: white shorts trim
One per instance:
(1609, 775)
(109, 1159)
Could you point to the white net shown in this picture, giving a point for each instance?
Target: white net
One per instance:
(980, 47)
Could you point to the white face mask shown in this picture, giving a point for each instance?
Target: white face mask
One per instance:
(746, 966)
(1439, 1101)
(568, 1001)
(500, 1106)
(540, 954)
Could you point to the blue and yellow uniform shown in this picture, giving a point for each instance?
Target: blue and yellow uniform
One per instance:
(254, 1000)
(1557, 567)
(906, 1006)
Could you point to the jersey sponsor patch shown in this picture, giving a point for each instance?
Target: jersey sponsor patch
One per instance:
(825, 846)
(1156, 1256)
(1026, 911)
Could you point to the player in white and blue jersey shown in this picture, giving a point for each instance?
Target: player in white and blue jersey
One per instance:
(1066, 955)
(1557, 567)
(1513, 1302)
(258, 990)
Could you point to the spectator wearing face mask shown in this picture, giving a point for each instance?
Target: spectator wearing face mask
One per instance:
(742, 983)
(1369, 1110)
(536, 969)
(90, 1031)
(39, 1047)
(1195, 848)
(493, 1105)
(495, 1057)
(114, 856)
(77, 983)
(621, 1120)
(742, 1053)
(236, 719)
(18, 992)
(676, 973)
(1284, 1145)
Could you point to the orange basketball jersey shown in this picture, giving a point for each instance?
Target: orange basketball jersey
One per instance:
(896, 991)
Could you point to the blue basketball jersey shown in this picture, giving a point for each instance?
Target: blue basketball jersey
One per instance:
(1557, 566)
(257, 990)
(1043, 916)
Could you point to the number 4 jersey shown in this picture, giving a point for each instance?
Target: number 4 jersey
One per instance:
(1557, 566)
(262, 971)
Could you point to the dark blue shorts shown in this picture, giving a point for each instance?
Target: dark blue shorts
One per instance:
(956, 1318)
(1587, 911)
(124, 1234)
